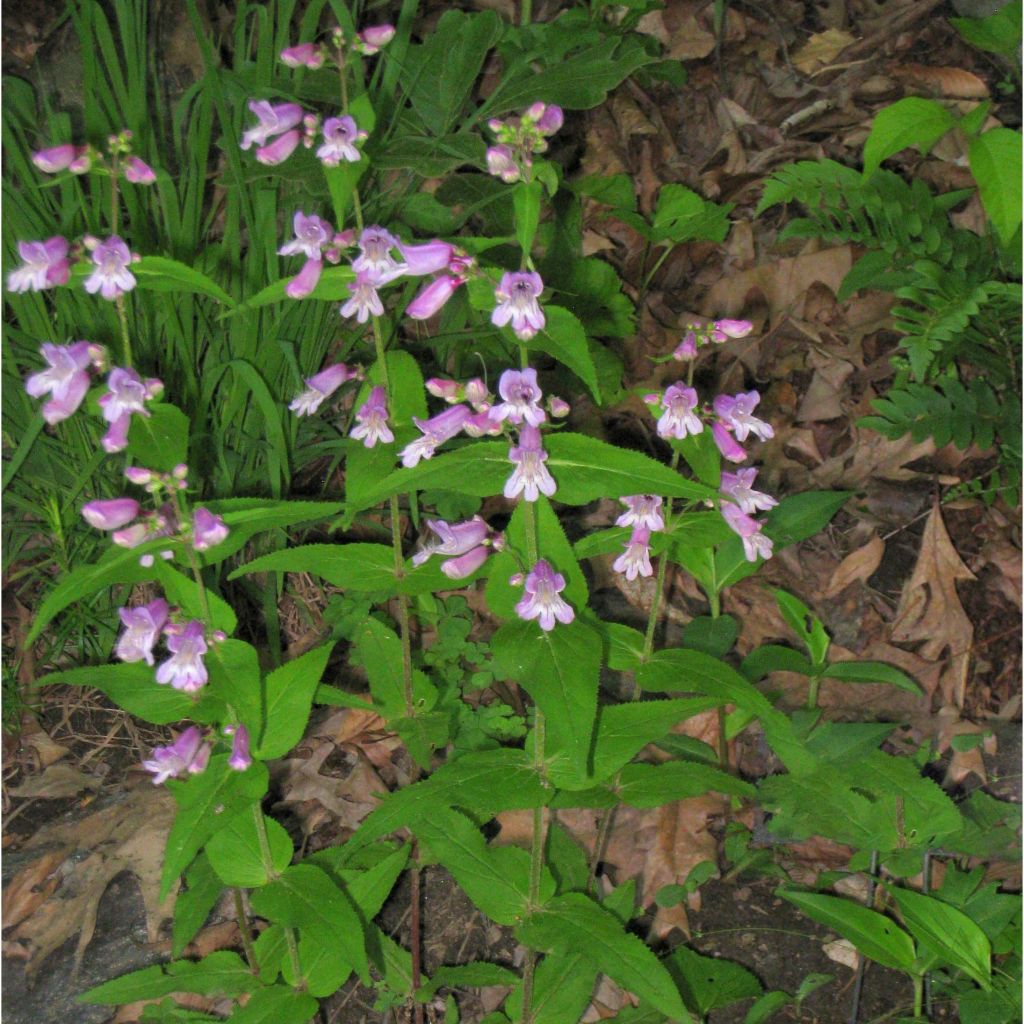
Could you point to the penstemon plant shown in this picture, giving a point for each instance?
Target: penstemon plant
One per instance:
(488, 475)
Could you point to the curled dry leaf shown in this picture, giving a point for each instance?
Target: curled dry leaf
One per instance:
(821, 50)
(32, 886)
(842, 951)
(56, 782)
(942, 81)
(859, 565)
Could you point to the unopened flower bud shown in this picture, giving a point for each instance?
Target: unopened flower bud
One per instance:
(476, 393)
(559, 406)
(180, 471)
(138, 475)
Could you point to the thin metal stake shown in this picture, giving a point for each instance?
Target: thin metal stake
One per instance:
(858, 981)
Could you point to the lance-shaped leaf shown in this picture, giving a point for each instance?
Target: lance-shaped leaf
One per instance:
(192, 906)
(708, 983)
(277, 1004)
(160, 274)
(220, 973)
(562, 989)
(159, 441)
(289, 695)
(380, 652)
(235, 853)
(651, 785)
(234, 669)
(564, 338)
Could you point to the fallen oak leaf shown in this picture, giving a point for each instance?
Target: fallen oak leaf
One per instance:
(857, 566)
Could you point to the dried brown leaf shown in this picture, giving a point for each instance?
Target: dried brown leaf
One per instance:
(57, 782)
(942, 81)
(32, 886)
(821, 50)
(858, 565)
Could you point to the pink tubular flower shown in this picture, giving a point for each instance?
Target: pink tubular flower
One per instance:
(240, 758)
(207, 529)
(46, 265)
(730, 448)
(755, 543)
(276, 152)
(642, 510)
(450, 390)
(66, 379)
(687, 348)
(303, 283)
(305, 55)
(432, 298)
(142, 627)
(550, 120)
(735, 412)
(372, 420)
(111, 278)
(636, 559)
(517, 296)
(678, 418)
(465, 565)
(126, 396)
(372, 39)
(438, 429)
(739, 486)
(481, 425)
(521, 395)
(559, 407)
(501, 162)
(188, 753)
(455, 538)
(110, 514)
(428, 258)
(58, 158)
(312, 234)
(477, 394)
(542, 600)
(320, 387)
(138, 172)
(185, 670)
(375, 260)
(530, 477)
(365, 300)
(340, 137)
(273, 119)
(721, 330)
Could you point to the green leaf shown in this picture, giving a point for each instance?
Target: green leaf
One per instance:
(332, 287)
(160, 274)
(564, 339)
(205, 802)
(614, 190)
(995, 160)
(159, 441)
(908, 122)
(651, 785)
(305, 897)
(874, 935)
(496, 879)
(768, 1005)
(234, 670)
(277, 1004)
(574, 924)
(380, 652)
(193, 904)
(681, 216)
(948, 932)
(701, 454)
(774, 658)
(807, 626)
(560, 670)
(709, 983)
(712, 635)
(289, 696)
(235, 855)
(526, 198)
(998, 33)
(359, 567)
(624, 646)
(562, 989)
(871, 672)
(476, 974)
(220, 973)
(183, 592)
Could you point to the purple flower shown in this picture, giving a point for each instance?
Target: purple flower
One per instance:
(303, 283)
(678, 418)
(636, 559)
(207, 529)
(320, 387)
(372, 420)
(375, 260)
(465, 565)
(312, 233)
(138, 172)
(723, 329)
(730, 448)
(531, 476)
(111, 513)
(59, 158)
(755, 543)
(522, 394)
(240, 758)
(517, 296)
(735, 412)
(480, 425)
(433, 297)
(365, 300)
(438, 429)
(477, 394)
(642, 510)
(185, 670)
(542, 600)
(307, 55)
(739, 487)
(187, 753)
(455, 538)
(111, 278)
(371, 39)
(428, 258)
(46, 265)
(559, 407)
(276, 152)
(66, 379)
(687, 348)
(142, 626)
(340, 137)
(126, 395)
(274, 119)
(450, 390)
(501, 162)
(545, 116)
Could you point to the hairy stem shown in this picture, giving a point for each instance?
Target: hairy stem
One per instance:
(126, 342)
(536, 866)
(243, 929)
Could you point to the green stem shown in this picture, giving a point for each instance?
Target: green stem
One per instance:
(525, 12)
(715, 600)
(244, 930)
(126, 342)
(918, 994)
(812, 692)
(115, 206)
(536, 866)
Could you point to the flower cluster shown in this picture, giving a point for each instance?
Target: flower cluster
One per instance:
(465, 545)
(643, 513)
(542, 600)
(718, 331)
(520, 138)
(190, 754)
(118, 161)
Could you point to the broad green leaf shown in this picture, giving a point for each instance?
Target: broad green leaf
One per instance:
(305, 897)
(767, 1006)
(870, 672)
(205, 802)
(278, 1004)
(496, 879)
(701, 454)
(159, 441)
(359, 567)
(651, 785)
(432, 155)
(220, 973)
(712, 635)
(341, 183)
(564, 339)
(624, 646)
(183, 592)
(406, 393)
(193, 904)
(234, 670)
(681, 216)
(874, 935)
(160, 274)
(614, 190)
(426, 731)
(380, 651)
(560, 670)
(995, 160)
(709, 983)
(526, 197)
(998, 33)
(235, 854)
(333, 286)
(948, 932)
(562, 990)
(289, 694)
(912, 121)
(573, 923)
(807, 626)
(476, 974)
(774, 658)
